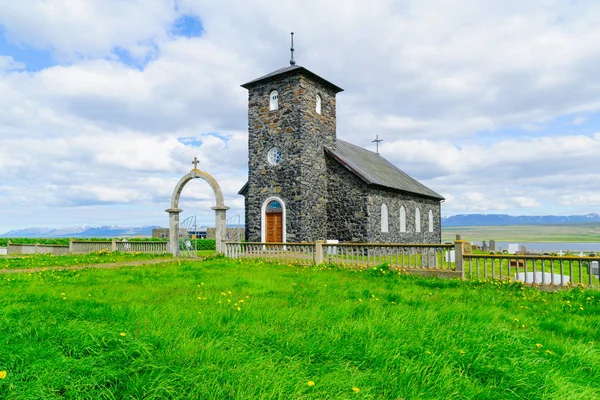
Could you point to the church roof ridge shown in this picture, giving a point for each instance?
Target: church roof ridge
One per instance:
(373, 169)
(291, 69)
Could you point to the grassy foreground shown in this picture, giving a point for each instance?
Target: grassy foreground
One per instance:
(221, 329)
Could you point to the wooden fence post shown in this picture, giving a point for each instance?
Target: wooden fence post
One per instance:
(319, 252)
(459, 248)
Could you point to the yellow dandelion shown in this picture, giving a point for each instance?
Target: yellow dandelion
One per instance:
(2, 374)
(355, 389)
(239, 309)
(224, 294)
(311, 383)
(549, 352)
(122, 333)
(539, 345)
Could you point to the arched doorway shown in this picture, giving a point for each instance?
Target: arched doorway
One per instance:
(273, 221)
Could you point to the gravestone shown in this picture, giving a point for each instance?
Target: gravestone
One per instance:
(513, 248)
(595, 268)
(530, 277)
(484, 246)
(492, 245)
(331, 250)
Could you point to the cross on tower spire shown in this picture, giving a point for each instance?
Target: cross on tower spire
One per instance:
(292, 62)
(376, 141)
(195, 162)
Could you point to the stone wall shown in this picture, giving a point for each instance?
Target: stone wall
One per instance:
(300, 179)
(354, 211)
(347, 211)
(160, 233)
(394, 200)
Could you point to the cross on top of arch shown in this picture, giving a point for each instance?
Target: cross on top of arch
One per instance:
(195, 162)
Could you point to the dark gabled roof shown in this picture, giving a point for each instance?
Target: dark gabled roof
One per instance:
(242, 191)
(376, 170)
(289, 70)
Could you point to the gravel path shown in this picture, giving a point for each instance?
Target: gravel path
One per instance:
(100, 266)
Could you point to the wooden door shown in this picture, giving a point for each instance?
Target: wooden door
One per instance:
(274, 227)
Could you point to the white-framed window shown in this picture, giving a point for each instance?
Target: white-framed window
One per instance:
(417, 220)
(273, 100)
(430, 221)
(274, 156)
(402, 219)
(384, 218)
(318, 104)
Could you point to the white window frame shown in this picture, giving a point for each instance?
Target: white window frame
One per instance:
(273, 100)
(385, 227)
(430, 221)
(402, 219)
(318, 104)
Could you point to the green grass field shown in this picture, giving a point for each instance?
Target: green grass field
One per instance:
(222, 329)
(99, 257)
(525, 233)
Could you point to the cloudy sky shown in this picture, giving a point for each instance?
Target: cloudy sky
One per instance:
(104, 103)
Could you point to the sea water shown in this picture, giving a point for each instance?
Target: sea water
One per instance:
(550, 247)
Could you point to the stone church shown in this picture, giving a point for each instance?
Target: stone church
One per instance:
(304, 184)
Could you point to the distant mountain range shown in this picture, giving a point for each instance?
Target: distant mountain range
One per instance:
(82, 232)
(453, 220)
(503, 219)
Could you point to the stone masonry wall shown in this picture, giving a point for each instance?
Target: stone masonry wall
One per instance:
(300, 179)
(347, 209)
(394, 200)
(355, 211)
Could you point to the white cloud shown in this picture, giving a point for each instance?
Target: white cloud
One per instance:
(463, 93)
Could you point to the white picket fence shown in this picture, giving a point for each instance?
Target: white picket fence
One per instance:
(456, 258)
(87, 246)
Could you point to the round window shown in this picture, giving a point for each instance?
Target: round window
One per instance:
(274, 156)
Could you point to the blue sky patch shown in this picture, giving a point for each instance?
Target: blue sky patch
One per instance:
(33, 58)
(188, 26)
(190, 141)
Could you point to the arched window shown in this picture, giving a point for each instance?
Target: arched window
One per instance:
(384, 218)
(318, 105)
(402, 219)
(430, 221)
(273, 101)
(417, 220)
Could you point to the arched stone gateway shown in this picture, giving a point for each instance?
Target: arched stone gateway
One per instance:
(220, 210)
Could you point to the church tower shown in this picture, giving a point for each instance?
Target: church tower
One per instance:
(291, 117)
